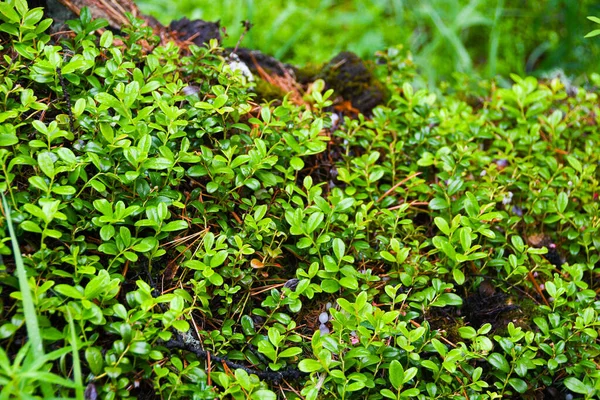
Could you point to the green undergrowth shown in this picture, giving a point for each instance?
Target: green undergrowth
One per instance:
(174, 239)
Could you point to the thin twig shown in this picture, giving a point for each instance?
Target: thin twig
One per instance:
(398, 184)
(247, 26)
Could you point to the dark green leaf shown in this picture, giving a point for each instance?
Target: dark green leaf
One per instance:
(498, 361)
(518, 384)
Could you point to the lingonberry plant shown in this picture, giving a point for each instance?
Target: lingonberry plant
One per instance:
(167, 234)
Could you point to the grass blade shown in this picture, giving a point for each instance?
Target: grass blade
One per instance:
(33, 329)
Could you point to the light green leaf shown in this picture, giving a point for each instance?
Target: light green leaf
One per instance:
(46, 164)
(576, 385)
(309, 365)
(339, 248)
(396, 374)
(561, 202)
(442, 225)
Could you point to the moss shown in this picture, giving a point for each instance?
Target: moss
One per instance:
(353, 79)
(267, 91)
(308, 73)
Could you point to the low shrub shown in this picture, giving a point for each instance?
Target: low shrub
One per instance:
(174, 238)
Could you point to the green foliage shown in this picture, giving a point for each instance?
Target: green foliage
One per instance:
(193, 244)
(595, 32)
(488, 37)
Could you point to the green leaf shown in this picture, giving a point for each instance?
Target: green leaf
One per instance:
(349, 282)
(175, 226)
(106, 39)
(498, 361)
(46, 164)
(313, 222)
(95, 360)
(145, 245)
(387, 393)
(248, 325)
(291, 352)
(344, 204)
(140, 348)
(409, 374)
(39, 183)
(387, 256)
(408, 393)
(459, 276)
(438, 203)
(448, 249)
(220, 101)
(304, 243)
(442, 225)
(593, 33)
(64, 190)
(130, 256)
(9, 12)
(574, 162)
(69, 291)
(354, 386)
(309, 365)
(471, 205)
(96, 286)
(150, 86)
(465, 238)
(467, 332)
(447, 299)
(396, 374)
(30, 226)
(107, 232)
(518, 384)
(218, 259)
(577, 386)
(295, 162)
(158, 163)
(561, 202)
(490, 216)
(263, 394)
(339, 248)
(8, 139)
(108, 248)
(181, 325)
(53, 233)
(439, 347)
(517, 242)
(330, 286)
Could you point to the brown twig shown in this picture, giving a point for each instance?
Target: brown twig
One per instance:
(387, 193)
(537, 287)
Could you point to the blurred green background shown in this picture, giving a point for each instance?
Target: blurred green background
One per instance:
(478, 37)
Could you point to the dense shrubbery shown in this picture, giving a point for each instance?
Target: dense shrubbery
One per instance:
(180, 239)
